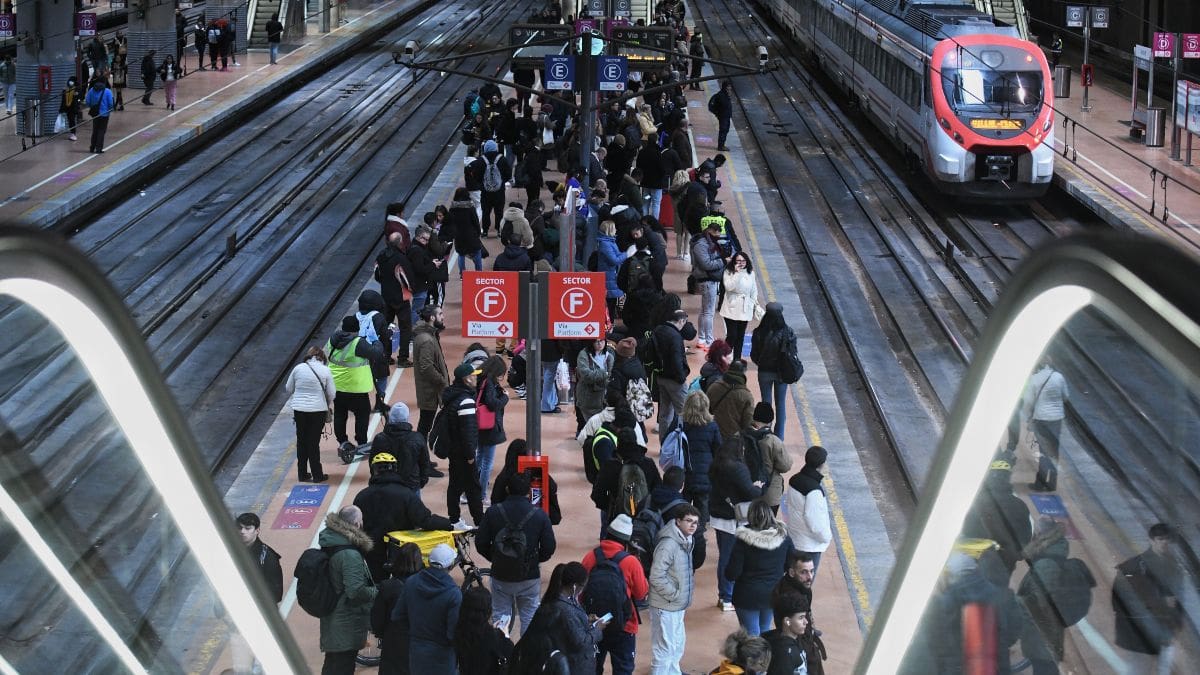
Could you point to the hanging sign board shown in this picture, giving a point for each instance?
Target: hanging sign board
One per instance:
(8, 25)
(1191, 45)
(560, 72)
(85, 24)
(1164, 45)
(491, 304)
(1143, 58)
(577, 307)
(1075, 16)
(1099, 17)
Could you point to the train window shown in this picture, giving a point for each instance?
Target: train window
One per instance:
(1062, 526)
(976, 85)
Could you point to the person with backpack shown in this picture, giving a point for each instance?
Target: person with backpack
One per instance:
(672, 582)
(495, 171)
(428, 613)
(665, 350)
(592, 371)
(1146, 601)
(458, 429)
(200, 39)
(615, 583)
(1056, 591)
(624, 483)
(214, 41)
(721, 106)
(600, 445)
(519, 448)
(772, 457)
(716, 363)
(808, 510)
(756, 565)
(562, 638)
(732, 491)
(393, 641)
(387, 505)
(769, 350)
(344, 630)
(516, 537)
(731, 403)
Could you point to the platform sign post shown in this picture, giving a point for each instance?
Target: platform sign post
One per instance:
(491, 304)
(1075, 16)
(577, 307)
(85, 24)
(1191, 45)
(1093, 17)
(560, 72)
(612, 73)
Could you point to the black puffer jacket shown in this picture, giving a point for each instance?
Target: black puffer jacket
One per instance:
(672, 360)
(702, 444)
(512, 259)
(465, 225)
(564, 624)
(410, 450)
(731, 484)
(387, 505)
(765, 348)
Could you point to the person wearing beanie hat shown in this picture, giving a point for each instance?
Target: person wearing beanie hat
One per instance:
(428, 613)
(606, 492)
(350, 359)
(619, 641)
(408, 446)
(767, 343)
(495, 171)
(808, 511)
(774, 459)
(462, 441)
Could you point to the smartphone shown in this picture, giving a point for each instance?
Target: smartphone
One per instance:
(604, 619)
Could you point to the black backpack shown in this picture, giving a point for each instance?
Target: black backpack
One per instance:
(631, 270)
(510, 551)
(606, 593)
(753, 456)
(791, 368)
(439, 435)
(1071, 597)
(314, 581)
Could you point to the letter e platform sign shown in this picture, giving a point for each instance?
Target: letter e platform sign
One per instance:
(490, 304)
(577, 308)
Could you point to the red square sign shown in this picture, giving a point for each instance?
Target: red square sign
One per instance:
(491, 304)
(577, 308)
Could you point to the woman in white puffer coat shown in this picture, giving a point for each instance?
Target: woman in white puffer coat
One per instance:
(740, 304)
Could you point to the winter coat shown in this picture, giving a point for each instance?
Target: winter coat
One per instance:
(707, 263)
(808, 511)
(608, 260)
(345, 629)
(756, 564)
(1144, 622)
(410, 450)
(539, 534)
(428, 613)
(393, 270)
(459, 402)
(393, 647)
(500, 492)
(938, 646)
(731, 403)
(310, 387)
(592, 373)
(1001, 516)
(722, 106)
(693, 206)
(430, 374)
(625, 368)
(702, 443)
(388, 505)
(493, 396)
(731, 484)
(463, 220)
(1045, 574)
(671, 578)
(741, 296)
(489, 656)
(609, 478)
(682, 144)
(422, 271)
(569, 630)
(658, 252)
(638, 305)
(630, 192)
(149, 70)
(514, 226)
(512, 259)
(502, 165)
(267, 560)
(668, 346)
(775, 461)
(636, 586)
(765, 349)
(654, 175)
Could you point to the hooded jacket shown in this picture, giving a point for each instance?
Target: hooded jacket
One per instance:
(808, 511)
(671, 578)
(362, 349)
(592, 373)
(765, 347)
(345, 629)
(636, 586)
(539, 534)
(388, 505)
(399, 440)
(464, 222)
(513, 258)
(731, 403)
(731, 484)
(428, 612)
(668, 346)
(608, 260)
(775, 461)
(756, 564)
(787, 654)
(459, 401)
(566, 625)
(607, 479)
(702, 444)
(707, 263)
(515, 226)
(431, 377)
(493, 157)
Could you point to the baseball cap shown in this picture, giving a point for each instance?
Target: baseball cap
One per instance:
(444, 557)
(465, 369)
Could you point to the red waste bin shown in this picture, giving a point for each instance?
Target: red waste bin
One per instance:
(537, 467)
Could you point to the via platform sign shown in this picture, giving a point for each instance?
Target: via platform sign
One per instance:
(1076, 15)
(596, 8)
(612, 73)
(85, 24)
(1191, 45)
(577, 307)
(8, 25)
(491, 304)
(623, 9)
(560, 72)
(1099, 17)
(1163, 45)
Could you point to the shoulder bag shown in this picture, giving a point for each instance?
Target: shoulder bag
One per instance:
(328, 411)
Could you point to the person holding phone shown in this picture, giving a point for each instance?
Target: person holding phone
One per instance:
(562, 637)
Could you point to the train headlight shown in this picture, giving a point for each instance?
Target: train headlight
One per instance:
(1046, 124)
(945, 123)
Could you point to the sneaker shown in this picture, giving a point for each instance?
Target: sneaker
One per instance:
(725, 605)
(687, 257)
(462, 499)
(404, 363)
(434, 473)
(346, 452)
(520, 392)
(73, 137)
(462, 525)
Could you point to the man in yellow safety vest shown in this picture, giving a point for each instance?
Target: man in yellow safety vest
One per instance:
(350, 360)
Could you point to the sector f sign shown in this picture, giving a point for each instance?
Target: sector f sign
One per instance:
(490, 304)
(577, 308)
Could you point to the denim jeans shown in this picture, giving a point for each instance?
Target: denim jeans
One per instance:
(774, 391)
(708, 309)
(274, 51)
(484, 457)
(418, 301)
(477, 258)
(10, 95)
(516, 598)
(656, 203)
(755, 621)
(549, 389)
(668, 641)
(622, 647)
(725, 542)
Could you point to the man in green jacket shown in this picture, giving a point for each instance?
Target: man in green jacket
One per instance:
(344, 631)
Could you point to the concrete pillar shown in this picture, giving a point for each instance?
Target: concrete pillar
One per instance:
(235, 14)
(51, 29)
(151, 26)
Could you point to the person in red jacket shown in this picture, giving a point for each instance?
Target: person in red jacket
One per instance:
(620, 644)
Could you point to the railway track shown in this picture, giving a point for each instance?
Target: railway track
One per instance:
(230, 262)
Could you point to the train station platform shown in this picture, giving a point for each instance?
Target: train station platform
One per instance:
(852, 573)
(48, 178)
(1126, 183)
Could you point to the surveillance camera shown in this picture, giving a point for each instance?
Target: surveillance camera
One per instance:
(410, 52)
(762, 55)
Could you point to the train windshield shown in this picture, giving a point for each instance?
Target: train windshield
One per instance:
(1000, 90)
